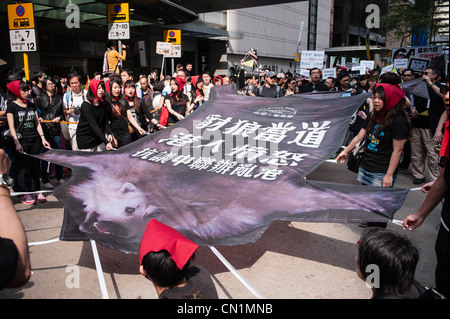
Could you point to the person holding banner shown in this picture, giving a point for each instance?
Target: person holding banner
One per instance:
(385, 132)
(176, 105)
(27, 135)
(137, 113)
(314, 85)
(51, 113)
(95, 115)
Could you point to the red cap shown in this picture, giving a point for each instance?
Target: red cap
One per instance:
(158, 236)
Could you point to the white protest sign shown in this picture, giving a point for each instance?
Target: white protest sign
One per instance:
(387, 69)
(304, 73)
(312, 59)
(330, 72)
(360, 68)
(165, 48)
(401, 63)
(369, 64)
(418, 64)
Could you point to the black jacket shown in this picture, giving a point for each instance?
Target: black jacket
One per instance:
(49, 111)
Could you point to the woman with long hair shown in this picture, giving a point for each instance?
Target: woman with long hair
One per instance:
(176, 104)
(50, 107)
(137, 112)
(385, 132)
(95, 115)
(27, 135)
(119, 122)
(197, 91)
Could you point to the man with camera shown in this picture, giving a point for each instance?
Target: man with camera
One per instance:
(113, 57)
(72, 104)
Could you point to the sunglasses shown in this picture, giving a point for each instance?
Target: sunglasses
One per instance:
(426, 73)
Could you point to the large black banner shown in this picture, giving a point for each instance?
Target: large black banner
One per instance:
(221, 175)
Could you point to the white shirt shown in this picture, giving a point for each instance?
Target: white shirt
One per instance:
(72, 99)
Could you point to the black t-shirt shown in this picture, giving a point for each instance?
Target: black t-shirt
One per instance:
(9, 256)
(119, 123)
(27, 116)
(94, 122)
(379, 145)
(178, 106)
(199, 286)
(310, 87)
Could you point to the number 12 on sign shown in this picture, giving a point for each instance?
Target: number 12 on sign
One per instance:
(23, 40)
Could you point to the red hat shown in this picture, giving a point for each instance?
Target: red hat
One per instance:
(93, 85)
(158, 236)
(180, 83)
(393, 94)
(14, 87)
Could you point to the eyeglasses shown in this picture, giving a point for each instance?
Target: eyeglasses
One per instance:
(426, 73)
(407, 75)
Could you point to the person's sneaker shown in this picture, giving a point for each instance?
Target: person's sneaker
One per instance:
(28, 199)
(48, 185)
(41, 198)
(418, 181)
(61, 181)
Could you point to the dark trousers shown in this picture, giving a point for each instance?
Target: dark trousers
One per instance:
(30, 164)
(55, 142)
(443, 267)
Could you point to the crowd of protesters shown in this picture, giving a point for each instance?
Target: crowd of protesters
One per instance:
(116, 108)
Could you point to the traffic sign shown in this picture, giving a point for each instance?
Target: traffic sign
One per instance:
(118, 21)
(118, 12)
(20, 16)
(176, 52)
(172, 36)
(118, 31)
(23, 40)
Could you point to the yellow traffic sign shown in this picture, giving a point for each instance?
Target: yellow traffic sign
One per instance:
(172, 36)
(118, 12)
(297, 57)
(21, 16)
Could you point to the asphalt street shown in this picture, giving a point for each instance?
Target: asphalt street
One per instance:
(291, 260)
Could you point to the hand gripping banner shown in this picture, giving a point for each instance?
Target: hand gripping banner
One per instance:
(221, 175)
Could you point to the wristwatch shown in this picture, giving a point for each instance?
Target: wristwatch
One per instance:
(6, 181)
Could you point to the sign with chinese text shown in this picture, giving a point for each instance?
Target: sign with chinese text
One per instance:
(221, 175)
(22, 35)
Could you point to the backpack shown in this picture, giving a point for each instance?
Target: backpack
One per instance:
(260, 88)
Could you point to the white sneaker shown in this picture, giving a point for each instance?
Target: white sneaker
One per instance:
(48, 185)
(61, 181)
(41, 198)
